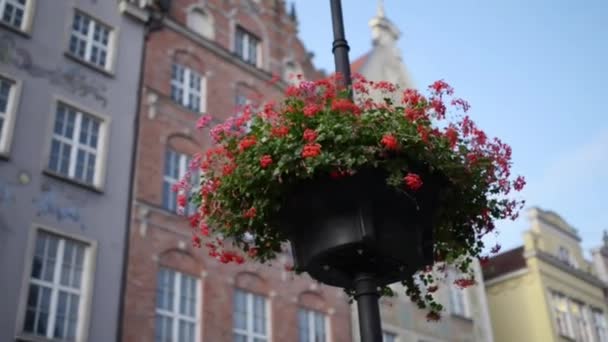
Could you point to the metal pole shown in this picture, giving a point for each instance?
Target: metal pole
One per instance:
(366, 294)
(340, 46)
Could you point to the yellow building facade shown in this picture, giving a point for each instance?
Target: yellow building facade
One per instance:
(545, 290)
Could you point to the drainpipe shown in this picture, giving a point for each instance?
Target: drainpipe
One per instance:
(153, 24)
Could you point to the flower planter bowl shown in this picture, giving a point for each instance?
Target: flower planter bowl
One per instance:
(339, 228)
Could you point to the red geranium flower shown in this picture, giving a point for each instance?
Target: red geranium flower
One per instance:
(311, 150)
(247, 143)
(265, 160)
(389, 141)
(412, 181)
(250, 213)
(310, 135)
(280, 131)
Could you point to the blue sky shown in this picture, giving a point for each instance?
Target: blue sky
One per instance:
(535, 73)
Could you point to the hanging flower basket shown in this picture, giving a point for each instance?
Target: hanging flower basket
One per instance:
(388, 187)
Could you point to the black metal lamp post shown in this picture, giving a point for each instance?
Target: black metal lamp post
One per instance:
(365, 285)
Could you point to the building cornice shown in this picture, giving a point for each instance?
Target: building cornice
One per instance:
(555, 262)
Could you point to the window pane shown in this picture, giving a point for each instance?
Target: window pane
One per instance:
(186, 331)
(32, 308)
(240, 310)
(90, 169)
(164, 329)
(319, 327)
(61, 315)
(303, 326)
(238, 40)
(80, 164)
(169, 196)
(64, 159)
(240, 338)
(166, 279)
(259, 314)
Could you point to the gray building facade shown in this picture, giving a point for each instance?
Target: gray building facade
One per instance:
(69, 79)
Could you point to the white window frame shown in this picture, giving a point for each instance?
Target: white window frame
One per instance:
(89, 41)
(247, 37)
(310, 317)
(393, 335)
(187, 90)
(175, 314)
(248, 333)
(10, 116)
(557, 296)
(455, 294)
(28, 15)
(183, 163)
(102, 144)
(582, 322)
(86, 285)
(600, 326)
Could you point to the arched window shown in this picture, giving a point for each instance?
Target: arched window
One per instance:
(201, 22)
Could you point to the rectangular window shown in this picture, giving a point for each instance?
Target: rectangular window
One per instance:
(8, 108)
(176, 307)
(14, 13)
(458, 301)
(388, 337)
(582, 324)
(246, 46)
(249, 317)
(563, 318)
(311, 326)
(187, 88)
(55, 294)
(76, 145)
(176, 167)
(600, 325)
(90, 40)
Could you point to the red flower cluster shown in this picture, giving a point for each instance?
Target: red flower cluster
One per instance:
(311, 150)
(464, 282)
(519, 183)
(280, 131)
(182, 200)
(246, 143)
(412, 181)
(309, 135)
(345, 105)
(311, 109)
(439, 87)
(390, 142)
(265, 161)
(250, 213)
(452, 135)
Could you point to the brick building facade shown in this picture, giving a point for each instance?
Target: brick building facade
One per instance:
(207, 57)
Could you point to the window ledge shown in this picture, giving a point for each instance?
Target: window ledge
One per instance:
(25, 337)
(567, 338)
(95, 67)
(25, 34)
(462, 317)
(64, 178)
